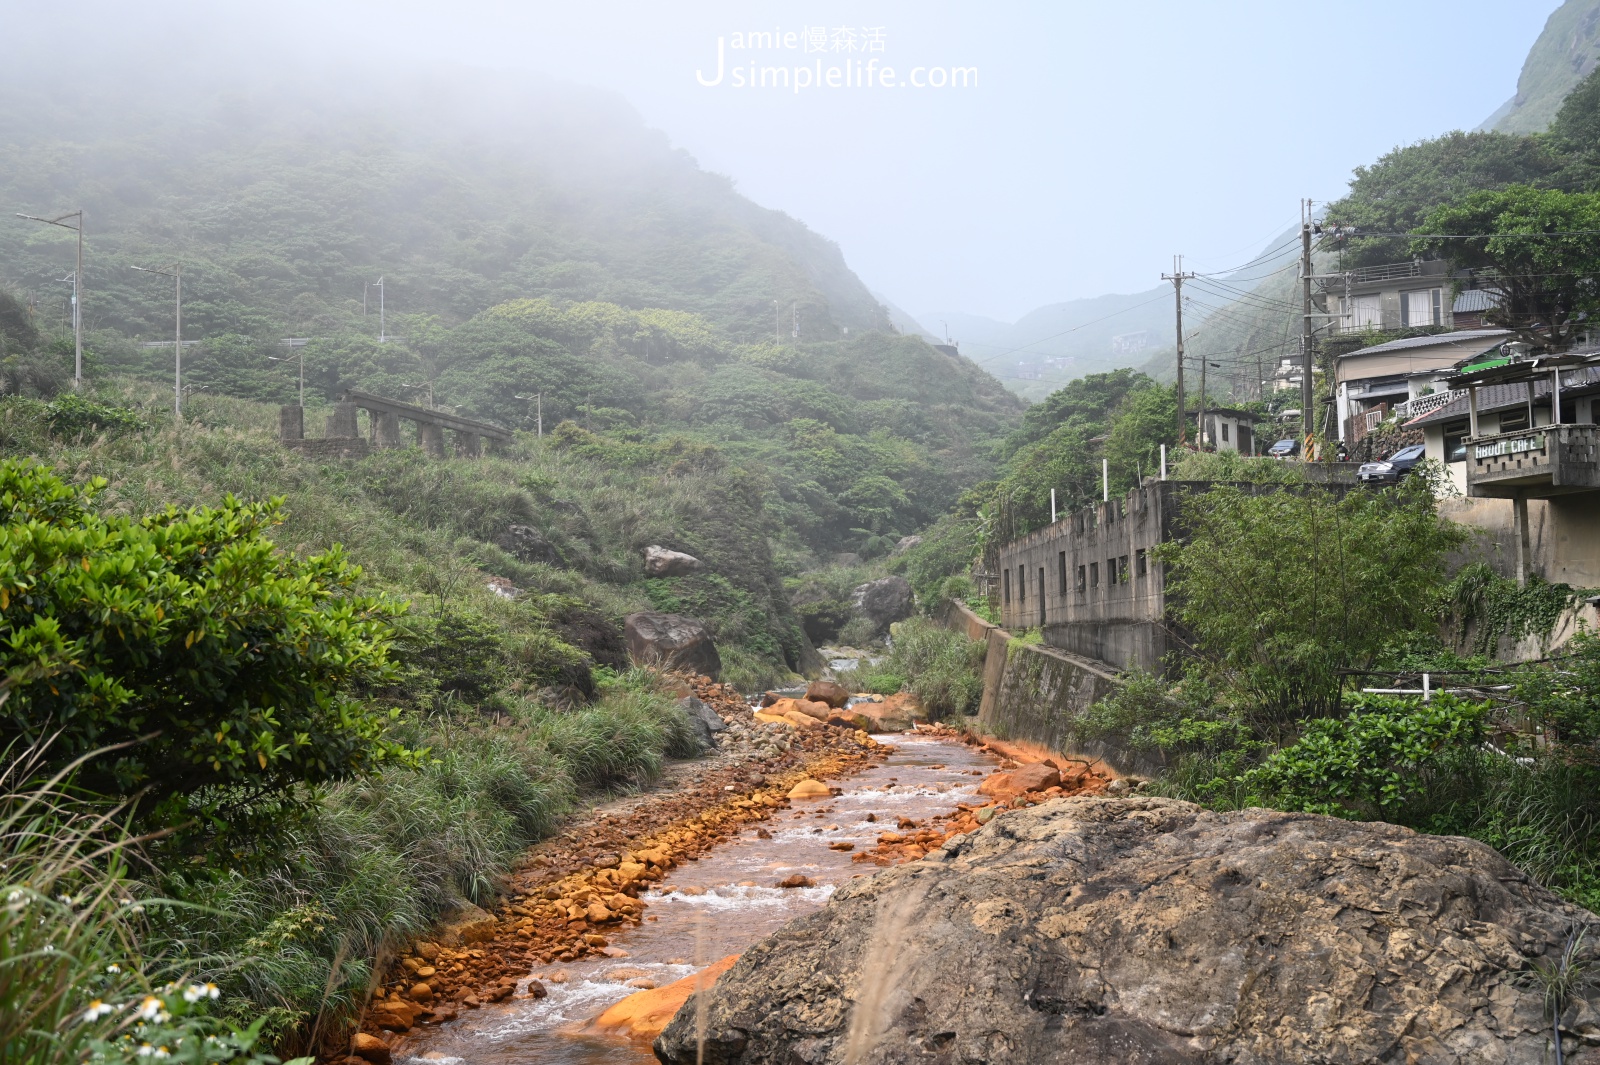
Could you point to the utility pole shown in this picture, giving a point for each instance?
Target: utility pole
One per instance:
(1200, 420)
(1177, 277)
(382, 336)
(176, 273)
(1307, 384)
(777, 323)
(538, 399)
(797, 319)
(77, 289)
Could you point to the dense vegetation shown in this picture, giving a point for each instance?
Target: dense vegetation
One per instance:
(421, 729)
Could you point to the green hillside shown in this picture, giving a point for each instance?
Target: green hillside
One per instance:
(1565, 53)
(575, 274)
(459, 197)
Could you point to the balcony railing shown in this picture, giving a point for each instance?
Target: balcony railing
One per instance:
(1539, 463)
(1386, 272)
(1416, 408)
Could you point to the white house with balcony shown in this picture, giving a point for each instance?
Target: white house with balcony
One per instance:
(1371, 383)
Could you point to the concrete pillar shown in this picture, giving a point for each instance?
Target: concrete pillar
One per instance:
(1519, 515)
(291, 422)
(468, 445)
(385, 429)
(342, 422)
(430, 437)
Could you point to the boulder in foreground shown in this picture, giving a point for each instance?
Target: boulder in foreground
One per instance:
(1141, 931)
(671, 642)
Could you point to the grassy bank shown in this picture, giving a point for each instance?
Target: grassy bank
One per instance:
(386, 856)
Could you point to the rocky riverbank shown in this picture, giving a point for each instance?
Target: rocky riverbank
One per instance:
(1144, 930)
(572, 893)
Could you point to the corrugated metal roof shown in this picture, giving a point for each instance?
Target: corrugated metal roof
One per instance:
(1473, 299)
(1461, 338)
(1503, 397)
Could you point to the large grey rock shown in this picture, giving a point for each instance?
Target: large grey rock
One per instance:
(704, 720)
(528, 544)
(662, 562)
(671, 641)
(1142, 931)
(883, 601)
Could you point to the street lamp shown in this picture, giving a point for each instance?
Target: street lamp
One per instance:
(538, 398)
(77, 289)
(300, 352)
(176, 273)
(382, 338)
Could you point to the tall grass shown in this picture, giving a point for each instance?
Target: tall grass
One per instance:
(387, 856)
(81, 978)
(943, 669)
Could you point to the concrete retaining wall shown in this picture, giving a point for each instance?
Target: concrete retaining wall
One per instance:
(1038, 694)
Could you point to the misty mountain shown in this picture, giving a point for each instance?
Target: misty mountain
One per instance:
(460, 189)
(1059, 342)
(1565, 53)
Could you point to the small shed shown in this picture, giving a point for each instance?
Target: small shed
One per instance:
(1227, 429)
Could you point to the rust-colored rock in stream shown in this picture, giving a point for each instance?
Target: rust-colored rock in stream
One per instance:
(643, 1015)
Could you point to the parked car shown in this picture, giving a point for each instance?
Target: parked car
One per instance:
(1391, 469)
(1284, 448)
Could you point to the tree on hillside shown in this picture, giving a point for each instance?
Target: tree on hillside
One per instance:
(1575, 133)
(1536, 250)
(221, 667)
(1394, 194)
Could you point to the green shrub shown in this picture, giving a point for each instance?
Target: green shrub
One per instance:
(1372, 762)
(942, 668)
(72, 414)
(223, 663)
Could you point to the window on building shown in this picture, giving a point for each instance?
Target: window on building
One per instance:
(1081, 579)
(1111, 571)
(1062, 561)
(1005, 587)
(1122, 569)
(1455, 441)
(1224, 431)
(1094, 574)
(1366, 312)
(1022, 584)
(1420, 308)
(1514, 421)
(1041, 595)
(1140, 563)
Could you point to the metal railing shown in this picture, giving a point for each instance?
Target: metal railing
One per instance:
(1386, 272)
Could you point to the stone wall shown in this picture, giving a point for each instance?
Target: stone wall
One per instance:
(1040, 694)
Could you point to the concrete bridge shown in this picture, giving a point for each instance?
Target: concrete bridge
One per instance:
(342, 437)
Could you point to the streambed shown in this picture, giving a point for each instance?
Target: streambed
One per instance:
(708, 909)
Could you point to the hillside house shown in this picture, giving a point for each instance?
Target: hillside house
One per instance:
(1523, 461)
(1372, 383)
(1395, 296)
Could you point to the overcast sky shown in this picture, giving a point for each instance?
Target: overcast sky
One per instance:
(1099, 138)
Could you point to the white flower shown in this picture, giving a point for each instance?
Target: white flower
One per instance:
(113, 968)
(145, 1050)
(150, 1009)
(196, 992)
(98, 1009)
(161, 1052)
